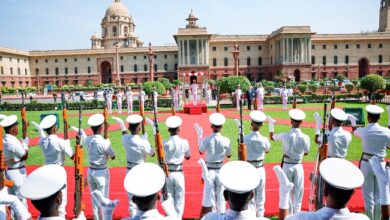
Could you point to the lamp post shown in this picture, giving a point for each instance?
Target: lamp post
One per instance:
(151, 57)
(236, 54)
(118, 81)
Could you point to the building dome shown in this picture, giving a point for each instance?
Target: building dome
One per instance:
(117, 9)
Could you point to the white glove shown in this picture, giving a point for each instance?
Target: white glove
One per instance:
(285, 187)
(25, 143)
(271, 124)
(318, 123)
(388, 115)
(199, 131)
(168, 207)
(2, 116)
(81, 216)
(83, 134)
(39, 129)
(151, 123)
(352, 119)
(383, 176)
(121, 123)
(106, 204)
(208, 193)
(17, 206)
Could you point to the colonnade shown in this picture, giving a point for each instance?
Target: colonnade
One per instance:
(193, 51)
(293, 50)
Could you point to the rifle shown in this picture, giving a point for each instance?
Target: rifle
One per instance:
(141, 110)
(3, 181)
(255, 102)
(78, 171)
(317, 183)
(65, 118)
(242, 145)
(173, 110)
(24, 116)
(160, 152)
(105, 114)
(218, 108)
(332, 106)
(294, 104)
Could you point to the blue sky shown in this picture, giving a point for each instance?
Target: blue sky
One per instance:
(69, 24)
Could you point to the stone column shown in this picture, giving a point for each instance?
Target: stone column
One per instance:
(197, 52)
(179, 52)
(207, 52)
(204, 52)
(309, 49)
(188, 52)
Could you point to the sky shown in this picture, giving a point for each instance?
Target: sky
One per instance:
(69, 24)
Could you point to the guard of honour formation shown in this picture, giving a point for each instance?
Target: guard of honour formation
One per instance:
(240, 184)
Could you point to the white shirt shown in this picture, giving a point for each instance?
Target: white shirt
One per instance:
(99, 151)
(295, 143)
(230, 215)
(216, 147)
(13, 151)
(150, 214)
(256, 146)
(119, 97)
(54, 149)
(141, 96)
(136, 148)
(260, 92)
(284, 93)
(338, 142)
(129, 96)
(375, 139)
(155, 96)
(238, 94)
(326, 213)
(194, 88)
(176, 93)
(176, 148)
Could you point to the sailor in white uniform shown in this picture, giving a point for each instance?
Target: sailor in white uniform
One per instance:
(194, 92)
(20, 211)
(216, 147)
(129, 100)
(141, 97)
(15, 153)
(136, 147)
(284, 96)
(176, 149)
(257, 146)
(54, 150)
(339, 188)
(260, 97)
(296, 144)
(375, 140)
(119, 102)
(238, 95)
(155, 98)
(338, 138)
(383, 178)
(109, 103)
(176, 96)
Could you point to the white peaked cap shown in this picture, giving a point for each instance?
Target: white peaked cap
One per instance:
(338, 114)
(258, 116)
(374, 109)
(95, 120)
(217, 119)
(239, 176)
(341, 173)
(134, 119)
(8, 121)
(48, 122)
(297, 114)
(144, 180)
(2, 116)
(44, 182)
(173, 122)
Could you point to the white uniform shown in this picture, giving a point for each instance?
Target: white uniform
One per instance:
(256, 146)
(238, 94)
(176, 96)
(141, 97)
(136, 150)
(151, 214)
(260, 98)
(51, 218)
(176, 149)
(119, 102)
(326, 213)
(216, 147)
(129, 99)
(109, 103)
(99, 151)
(13, 152)
(231, 215)
(54, 150)
(295, 145)
(208, 96)
(375, 139)
(155, 99)
(194, 91)
(284, 95)
(338, 142)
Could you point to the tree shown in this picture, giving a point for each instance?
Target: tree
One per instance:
(372, 83)
(165, 82)
(313, 87)
(302, 88)
(340, 77)
(279, 76)
(148, 87)
(349, 87)
(229, 84)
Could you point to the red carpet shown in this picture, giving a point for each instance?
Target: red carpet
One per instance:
(193, 177)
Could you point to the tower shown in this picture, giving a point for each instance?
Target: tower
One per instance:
(384, 16)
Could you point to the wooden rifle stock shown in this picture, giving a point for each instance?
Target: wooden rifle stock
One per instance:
(105, 123)
(65, 118)
(218, 107)
(242, 145)
(294, 104)
(3, 181)
(78, 166)
(173, 111)
(24, 116)
(141, 110)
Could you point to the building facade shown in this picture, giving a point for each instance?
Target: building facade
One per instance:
(119, 55)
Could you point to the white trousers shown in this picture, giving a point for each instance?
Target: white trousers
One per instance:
(3, 212)
(194, 98)
(238, 103)
(130, 106)
(284, 100)
(219, 203)
(132, 206)
(176, 190)
(258, 201)
(62, 207)
(370, 192)
(109, 106)
(119, 107)
(295, 174)
(260, 104)
(98, 180)
(18, 177)
(155, 104)
(176, 103)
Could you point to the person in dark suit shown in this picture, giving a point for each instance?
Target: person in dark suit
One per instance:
(249, 97)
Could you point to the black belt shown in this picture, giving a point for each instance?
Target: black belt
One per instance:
(213, 168)
(291, 162)
(218, 162)
(366, 156)
(16, 168)
(255, 161)
(335, 157)
(175, 171)
(95, 168)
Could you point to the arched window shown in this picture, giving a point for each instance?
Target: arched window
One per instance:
(145, 67)
(260, 61)
(214, 61)
(125, 29)
(135, 68)
(57, 71)
(248, 61)
(89, 69)
(313, 60)
(75, 70)
(36, 71)
(324, 60)
(122, 68)
(114, 30)
(225, 61)
(11, 71)
(47, 71)
(335, 60)
(380, 59)
(66, 70)
(166, 67)
(155, 67)
(346, 59)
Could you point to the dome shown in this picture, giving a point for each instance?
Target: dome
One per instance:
(117, 9)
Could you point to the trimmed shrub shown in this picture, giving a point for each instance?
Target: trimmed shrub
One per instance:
(229, 84)
(302, 88)
(349, 87)
(165, 82)
(313, 87)
(372, 83)
(148, 87)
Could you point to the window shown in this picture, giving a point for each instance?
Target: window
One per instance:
(88, 59)
(166, 67)
(248, 61)
(18, 70)
(176, 66)
(135, 68)
(135, 57)
(214, 62)
(2, 70)
(46, 61)
(36, 61)
(259, 47)
(214, 48)
(225, 61)
(11, 71)
(155, 67)
(358, 46)
(335, 46)
(380, 46)
(324, 60)
(1, 58)
(18, 60)
(24, 60)
(324, 46)
(248, 47)
(347, 46)
(36, 71)
(346, 59)
(66, 70)
(380, 59)
(75, 70)
(47, 71)
(145, 67)
(75, 59)
(89, 69)
(25, 71)
(225, 48)
(57, 72)
(313, 47)
(175, 56)
(114, 30)
(122, 68)
(335, 59)
(155, 56)
(66, 60)
(369, 46)
(56, 60)
(260, 61)
(165, 56)
(144, 57)
(121, 58)
(313, 60)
